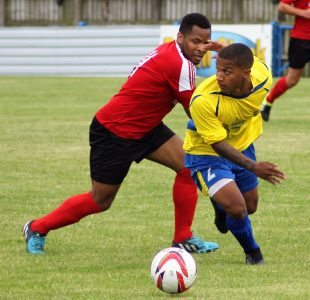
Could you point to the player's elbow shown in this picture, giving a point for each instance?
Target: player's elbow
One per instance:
(282, 8)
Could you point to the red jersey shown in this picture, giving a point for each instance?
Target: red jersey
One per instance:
(161, 80)
(301, 28)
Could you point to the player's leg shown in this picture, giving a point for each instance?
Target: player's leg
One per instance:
(185, 195)
(220, 217)
(251, 200)
(247, 182)
(293, 76)
(216, 178)
(71, 211)
(284, 83)
(77, 207)
(298, 57)
(238, 222)
(107, 173)
(171, 155)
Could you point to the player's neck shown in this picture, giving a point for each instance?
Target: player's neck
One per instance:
(245, 88)
(248, 86)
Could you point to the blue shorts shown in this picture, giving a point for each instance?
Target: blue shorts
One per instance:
(208, 170)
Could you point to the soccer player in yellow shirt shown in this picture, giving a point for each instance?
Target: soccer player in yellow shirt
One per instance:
(226, 120)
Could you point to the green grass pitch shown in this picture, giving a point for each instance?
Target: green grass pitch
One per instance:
(44, 159)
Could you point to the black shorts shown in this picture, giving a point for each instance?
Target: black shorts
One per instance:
(298, 53)
(111, 155)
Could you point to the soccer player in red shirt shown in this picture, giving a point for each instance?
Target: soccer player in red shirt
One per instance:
(299, 50)
(130, 128)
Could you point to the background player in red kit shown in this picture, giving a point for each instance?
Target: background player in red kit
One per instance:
(129, 128)
(299, 50)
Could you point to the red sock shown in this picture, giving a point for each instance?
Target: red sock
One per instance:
(280, 88)
(69, 212)
(185, 197)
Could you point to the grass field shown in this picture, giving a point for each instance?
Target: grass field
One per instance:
(44, 159)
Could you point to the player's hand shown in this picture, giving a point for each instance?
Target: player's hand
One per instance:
(269, 172)
(306, 13)
(215, 46)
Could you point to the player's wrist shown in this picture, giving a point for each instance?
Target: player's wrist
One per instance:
(250, 165)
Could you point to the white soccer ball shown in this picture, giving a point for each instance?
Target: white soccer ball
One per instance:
(173, 270)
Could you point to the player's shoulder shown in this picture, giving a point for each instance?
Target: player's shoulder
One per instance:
(260, 72)
(261, 66)
(170, 54)
(175, 66)
(169, 50)
(208, 86)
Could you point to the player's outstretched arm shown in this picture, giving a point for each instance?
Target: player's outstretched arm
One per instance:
(265, 170)
(294, 11)
(215, 46)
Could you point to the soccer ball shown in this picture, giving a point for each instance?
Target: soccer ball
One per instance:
(173, 270)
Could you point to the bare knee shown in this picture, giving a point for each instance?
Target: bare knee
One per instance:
(237, 210)
(292, 82)
(293, 77)
(252, 208)
(232, 200)
(104, 194)
(252, 205)
(103, 201)
(251, 200)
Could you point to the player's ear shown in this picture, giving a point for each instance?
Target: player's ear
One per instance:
(180, 37)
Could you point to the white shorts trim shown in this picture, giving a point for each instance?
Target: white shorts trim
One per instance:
(218, 185)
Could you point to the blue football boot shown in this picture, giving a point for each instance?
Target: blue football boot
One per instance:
(196, 245)
(35, 241)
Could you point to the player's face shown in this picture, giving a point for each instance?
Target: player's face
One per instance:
(193, 44)
(231, 78)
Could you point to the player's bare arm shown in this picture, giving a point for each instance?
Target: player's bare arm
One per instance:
(305, 13)
(265, 170)
(215, 46)
(291, 10)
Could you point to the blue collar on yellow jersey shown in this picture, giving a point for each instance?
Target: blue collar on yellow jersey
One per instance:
(242, 96)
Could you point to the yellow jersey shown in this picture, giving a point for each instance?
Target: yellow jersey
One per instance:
(217, 116)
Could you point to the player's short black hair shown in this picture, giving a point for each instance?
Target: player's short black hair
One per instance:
(239, 53)
(193, 19)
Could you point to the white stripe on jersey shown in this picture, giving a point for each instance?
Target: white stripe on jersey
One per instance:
(193, 75)
(188, 73)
